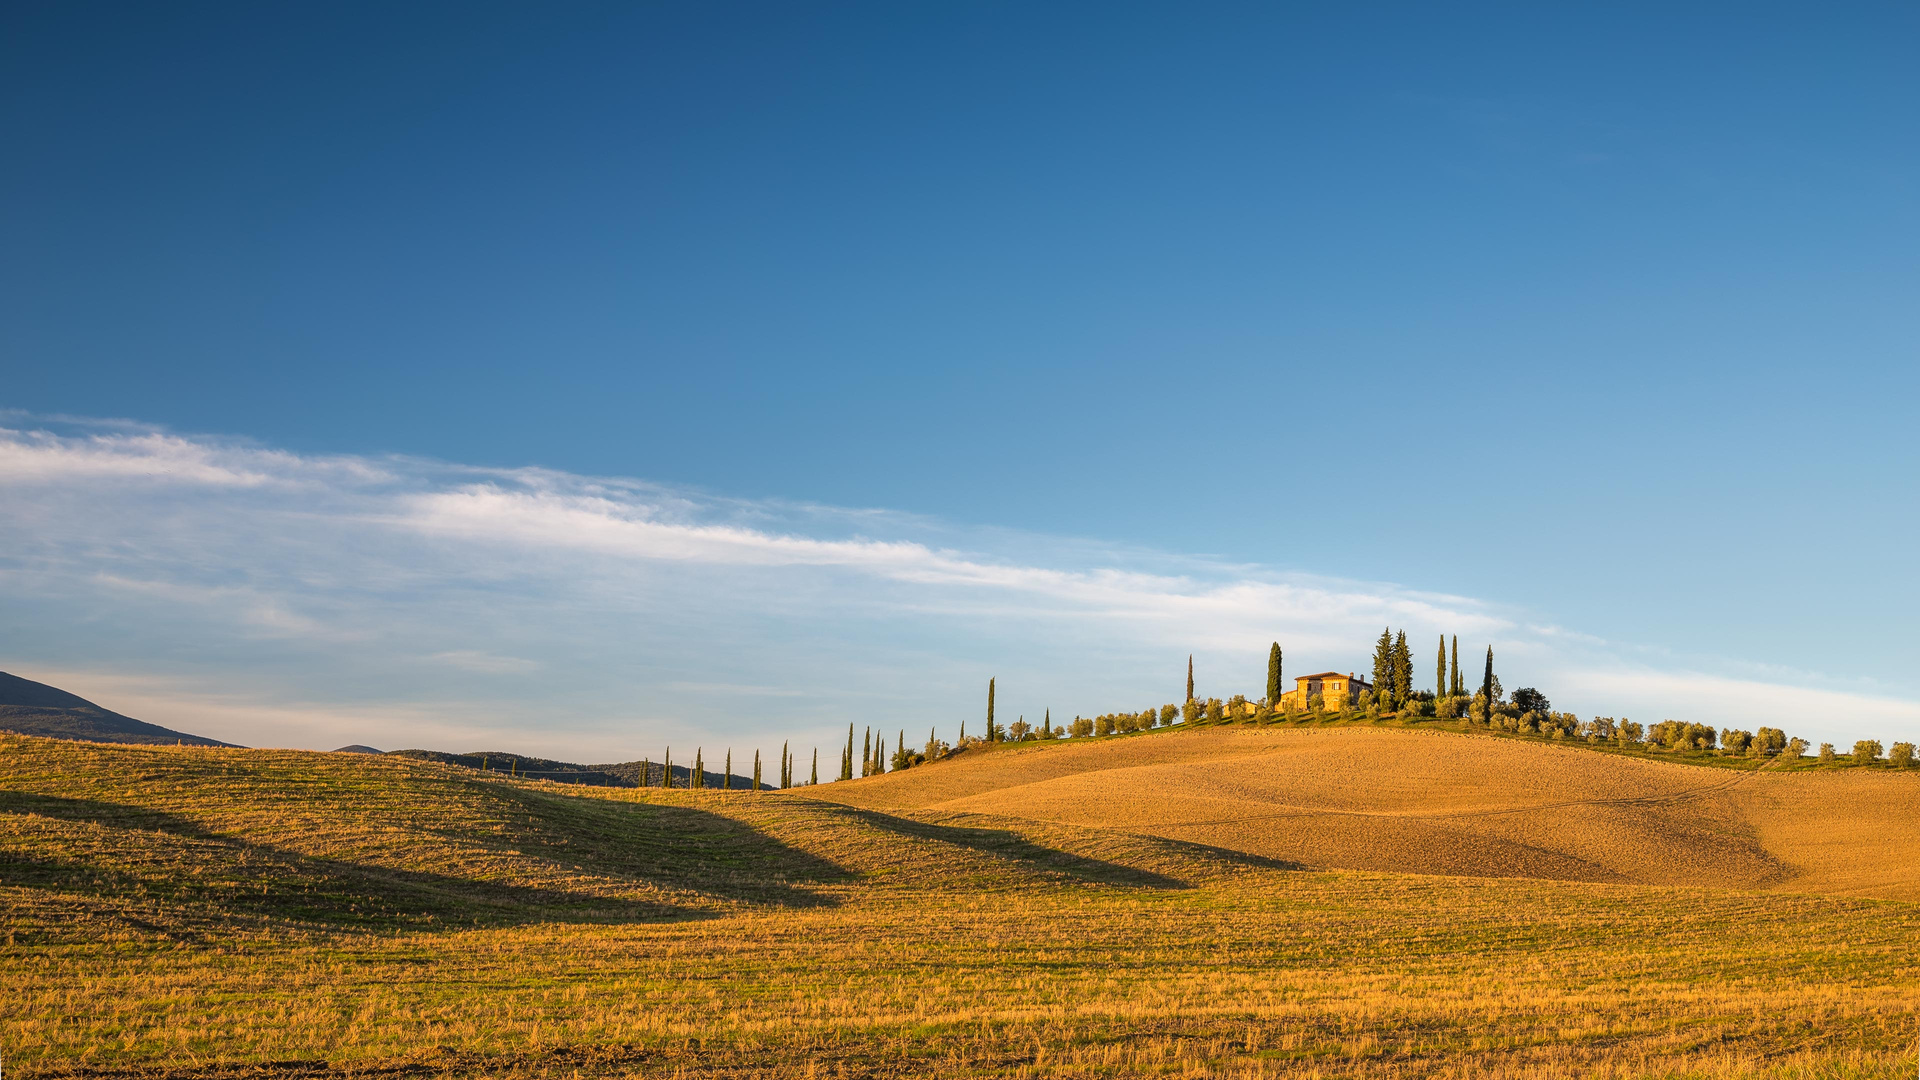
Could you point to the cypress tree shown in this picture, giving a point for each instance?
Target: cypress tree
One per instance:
(726, 779)
(846, 759)
(756, 770)
(666, 769)
(816, 766)
(1402, 669)
(1456, 687)
(1383, 663)
(866, 754)
(991, 737)
(901, 743)
(698, 778)
(1273, 675)
(1440, 671)
(1486, 683)
(1189, 676)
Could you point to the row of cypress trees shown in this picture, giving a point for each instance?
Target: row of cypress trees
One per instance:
(697, 776)
(1393, 669)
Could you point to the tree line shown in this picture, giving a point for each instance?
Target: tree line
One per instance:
(1392, 694)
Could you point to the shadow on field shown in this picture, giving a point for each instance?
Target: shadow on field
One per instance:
(113, 815)
(680, 846)
(1009, 845)
(153, 860)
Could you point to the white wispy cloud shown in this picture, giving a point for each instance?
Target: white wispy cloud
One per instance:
(402, 600)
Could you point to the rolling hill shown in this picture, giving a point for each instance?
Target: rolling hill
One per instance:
(34, 708)
(1441, 802)
(95, 836)
(1133, 906)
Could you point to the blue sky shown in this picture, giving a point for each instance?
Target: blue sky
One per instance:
(1591, 331)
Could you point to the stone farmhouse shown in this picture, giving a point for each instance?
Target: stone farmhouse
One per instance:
(1334, 688)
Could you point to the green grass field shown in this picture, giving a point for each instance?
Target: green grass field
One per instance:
(246, 913)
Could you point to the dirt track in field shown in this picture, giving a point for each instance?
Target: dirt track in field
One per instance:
(1447, 803)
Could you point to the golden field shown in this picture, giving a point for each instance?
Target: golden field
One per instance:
(1445, 802)
(1217, 902)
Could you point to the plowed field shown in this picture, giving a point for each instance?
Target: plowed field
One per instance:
(1434, 802)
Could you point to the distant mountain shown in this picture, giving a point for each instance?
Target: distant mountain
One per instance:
(357, 748)
(33, 708)
(621, 774)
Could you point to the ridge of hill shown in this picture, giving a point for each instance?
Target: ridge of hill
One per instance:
(34, 708)
(1443, 802)
(622, 774)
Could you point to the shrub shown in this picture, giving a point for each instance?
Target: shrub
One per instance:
(1826, 752)
(1447, 708)
(1866, 752)
(1418, 707)
(1316, 703)
(1019, 729)
(1675, 735)
(1527, 700)
(1477, 711)
(1900, 755)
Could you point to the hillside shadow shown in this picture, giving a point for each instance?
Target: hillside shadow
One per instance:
(1011, 846)
(673, 844)
(221, 873)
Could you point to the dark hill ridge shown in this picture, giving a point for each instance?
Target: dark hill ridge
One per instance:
(34, 708)
(619, 774)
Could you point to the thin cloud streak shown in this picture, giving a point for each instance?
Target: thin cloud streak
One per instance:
(604, 612)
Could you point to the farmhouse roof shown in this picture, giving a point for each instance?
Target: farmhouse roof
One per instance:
(1331, 675)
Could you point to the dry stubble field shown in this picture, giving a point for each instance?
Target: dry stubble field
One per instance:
(215, 913)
